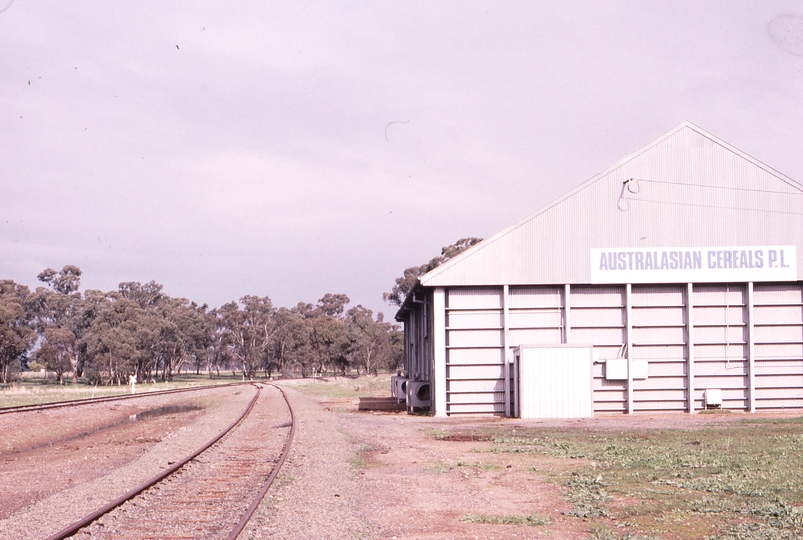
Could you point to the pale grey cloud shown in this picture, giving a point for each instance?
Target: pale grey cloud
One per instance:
(237, 148)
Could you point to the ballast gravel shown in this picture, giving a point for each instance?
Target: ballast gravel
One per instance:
(315, 495)
(58, 510)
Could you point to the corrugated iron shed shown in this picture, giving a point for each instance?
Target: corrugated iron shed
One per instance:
(678, 266)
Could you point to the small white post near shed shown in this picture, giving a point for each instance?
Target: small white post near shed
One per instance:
(554, 381)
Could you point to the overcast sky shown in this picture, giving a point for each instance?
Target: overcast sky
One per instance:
(291, 149)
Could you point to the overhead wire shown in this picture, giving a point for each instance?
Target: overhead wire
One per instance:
(633, 186)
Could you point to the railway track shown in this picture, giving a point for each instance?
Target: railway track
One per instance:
(121, 397)
(211, 493)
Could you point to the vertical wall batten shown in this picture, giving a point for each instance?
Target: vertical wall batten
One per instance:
(751, 354)
(567, 319)
(690, 348)
(439, 343)
(506, 345)
(628, 342)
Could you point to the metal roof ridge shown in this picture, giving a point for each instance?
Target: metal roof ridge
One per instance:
(760, 164)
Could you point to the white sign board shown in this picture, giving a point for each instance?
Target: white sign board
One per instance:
(693, 264)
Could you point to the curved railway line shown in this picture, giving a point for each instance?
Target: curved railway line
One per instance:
(88, 401)
(211, 493)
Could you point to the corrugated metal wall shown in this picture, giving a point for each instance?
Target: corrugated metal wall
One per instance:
(475, 351)
(655, 325)
(721, 343)
(658, 336)
(778, 345)
(418, 347)
(597, 317)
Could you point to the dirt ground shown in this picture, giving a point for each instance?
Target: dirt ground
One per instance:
(421, 477)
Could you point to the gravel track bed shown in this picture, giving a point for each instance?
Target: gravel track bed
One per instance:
(315, 496)
(208, 496)
(365, 475)
(57, 510)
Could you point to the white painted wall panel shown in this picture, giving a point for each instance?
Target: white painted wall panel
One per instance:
(474, 338)
(774, 314)
(535, 297)
(474, 319)
(534, 336)
(475, 356)
(662, 316)
(474, 298)
(779, 333)
(477, 398)
(770, 351)
(657, 335)
(614, 337)
(555, 382)
(662, 352)
(468, 373)
(666, 383)
(474, 385)
(533, 318)
(778, 315)
(597, 317)
(497, 408)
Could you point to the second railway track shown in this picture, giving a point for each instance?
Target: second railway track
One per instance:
(212, 494)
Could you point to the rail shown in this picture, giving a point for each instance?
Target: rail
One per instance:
(90, 518)
(89, 401)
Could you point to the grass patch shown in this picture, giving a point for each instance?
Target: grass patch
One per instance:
(347, 387)
(360, 459)
(483, 466)
(438, 467)
(532, 520)
(606, 533)
(740, 479)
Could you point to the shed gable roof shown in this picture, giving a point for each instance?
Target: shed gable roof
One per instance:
(686, 188)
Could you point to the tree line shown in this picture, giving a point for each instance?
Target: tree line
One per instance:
(139, 330)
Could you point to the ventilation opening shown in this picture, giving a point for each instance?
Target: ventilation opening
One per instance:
(422, 392)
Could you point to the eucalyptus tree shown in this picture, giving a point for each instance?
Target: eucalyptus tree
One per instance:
(409, 277)
(328, 338)
(218, 349)
(57, 314)
(287, 348)
(184, 335)
(332, 305)
(368, 341)
(57, 352)
(290, 345)
(146, 296)
(115, 337)
(373, 343)
(249, 329)
(16, 334)
(66, 282)
(329, 342)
